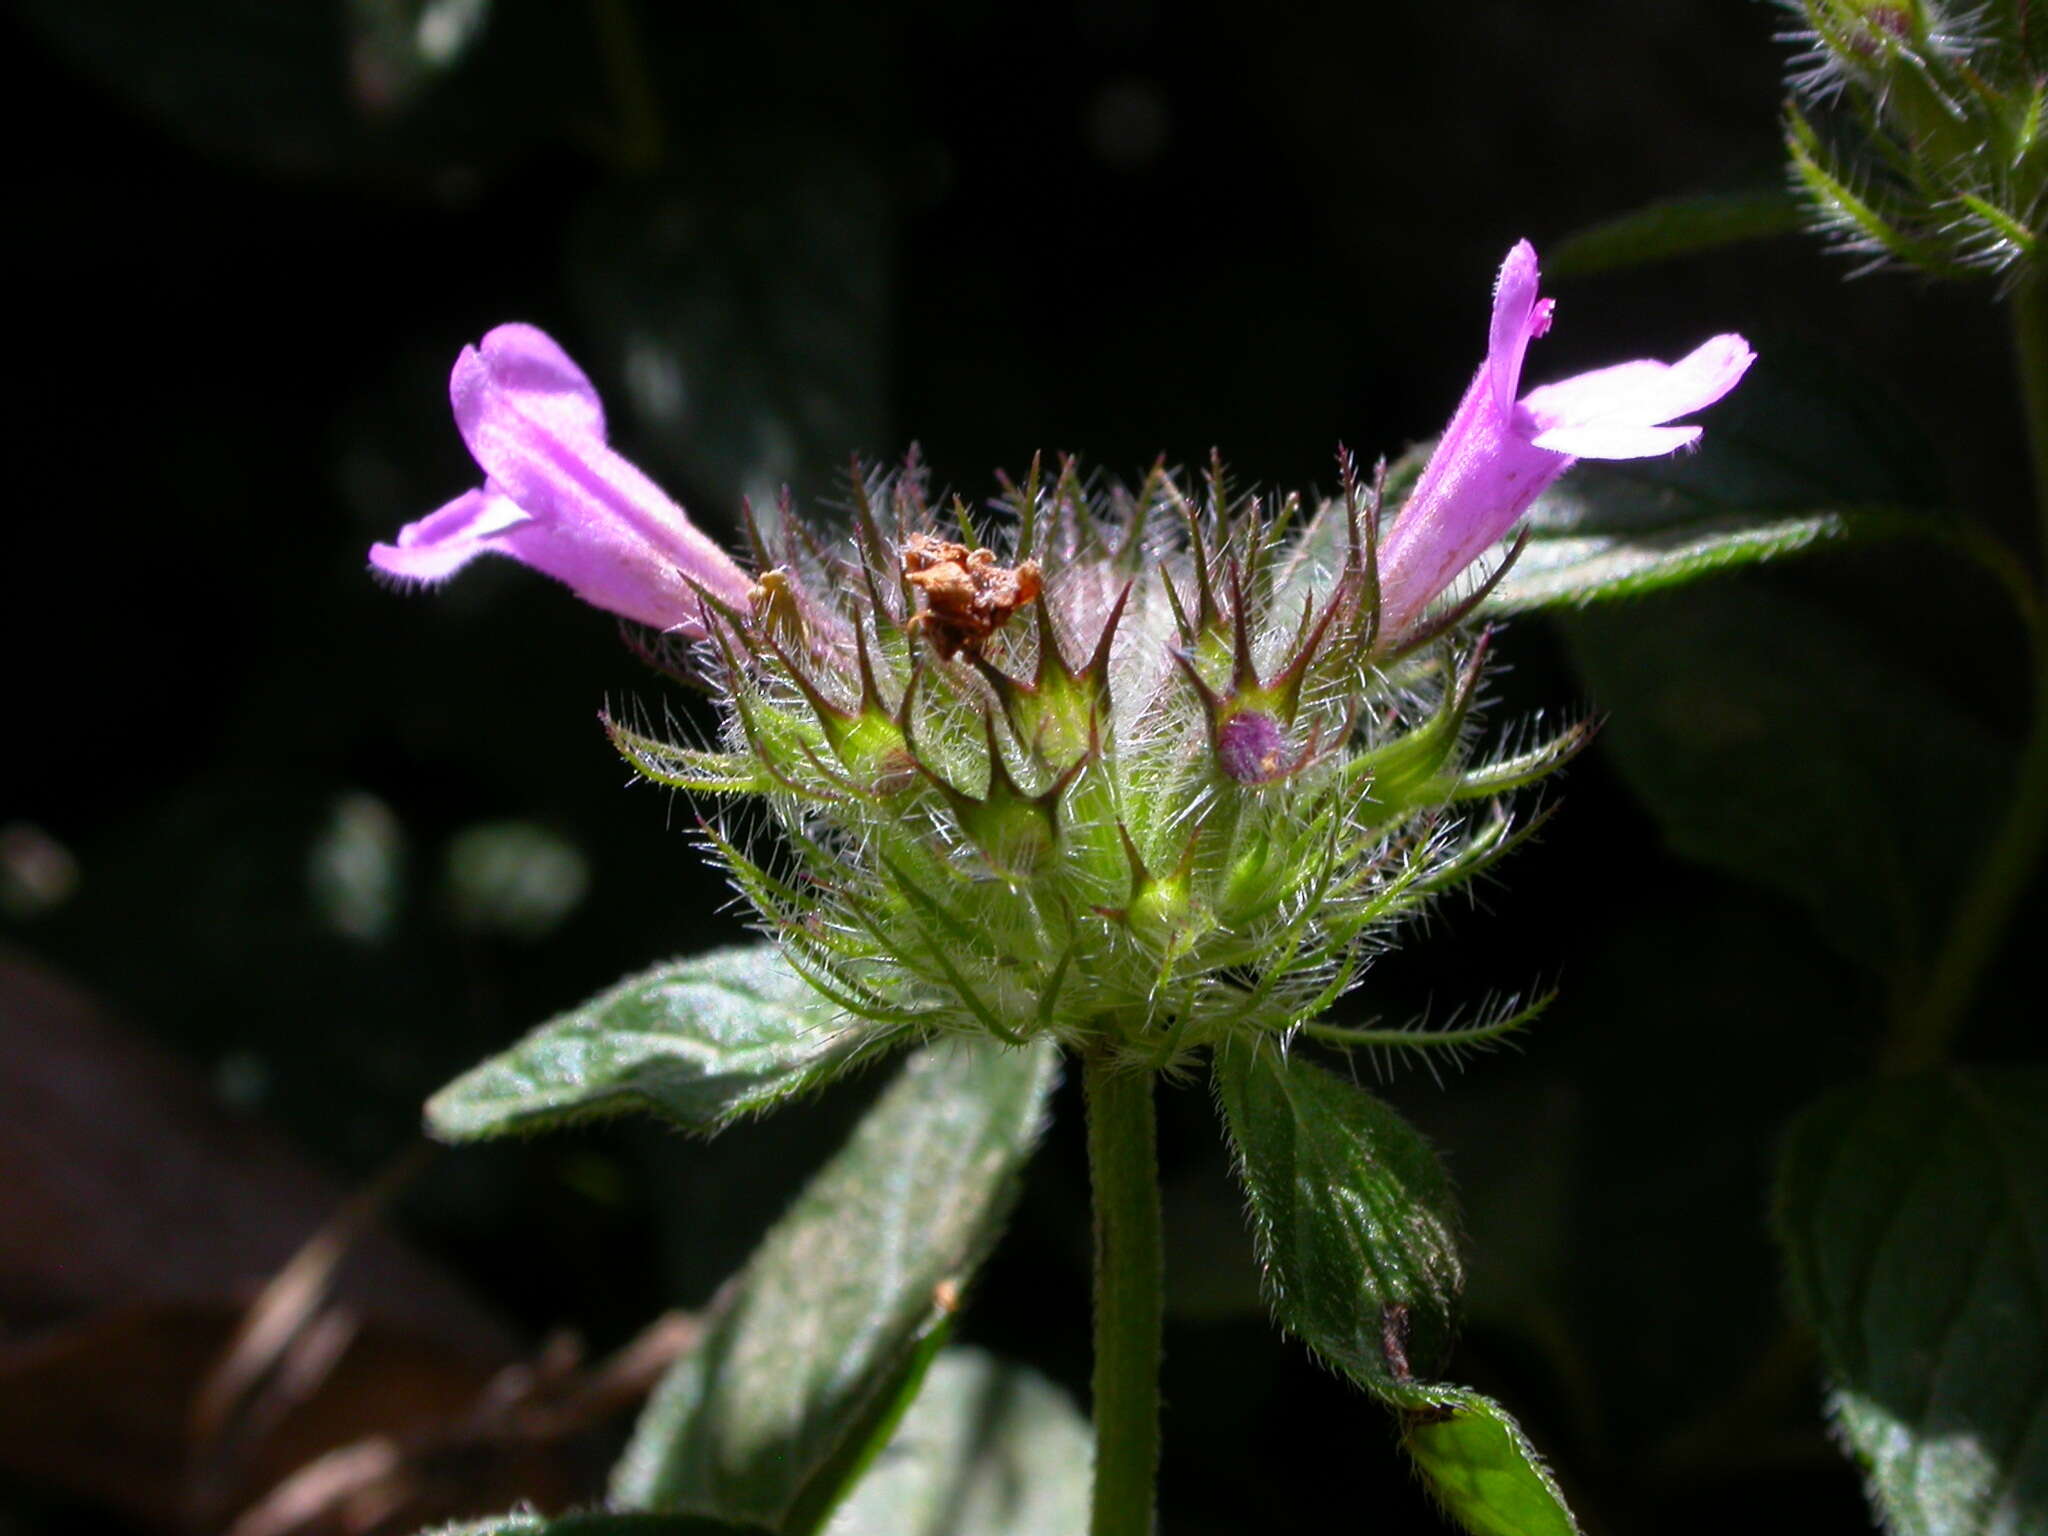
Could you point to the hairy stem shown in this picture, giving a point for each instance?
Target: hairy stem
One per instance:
(1124, 1167)
(1986, 911)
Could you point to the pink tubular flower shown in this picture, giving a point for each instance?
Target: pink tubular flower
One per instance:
(556, 497)
(1499, 454)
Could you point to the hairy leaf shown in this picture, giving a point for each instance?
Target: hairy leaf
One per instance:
(702, 1041)
(1597, 536)
(1357, 1237)
(1352, 1214)
(1914, 1219)
(1480, 1465)
(988, 1449)
(815, 1343)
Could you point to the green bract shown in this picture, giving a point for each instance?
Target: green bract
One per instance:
(1149, 777)
(1926, 138)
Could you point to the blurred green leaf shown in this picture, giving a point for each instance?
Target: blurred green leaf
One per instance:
(1351, 1211)
(355, 871)
(702, 1041)
(513, 878)
(1480, 1465)
(1773, 742)
(398, 47)
(868, 1432)
(745, 307)
(593, 1523)
(988, 1449)
(813, 1345)
(289, 87)
(1676, 227)
(1913, 1214)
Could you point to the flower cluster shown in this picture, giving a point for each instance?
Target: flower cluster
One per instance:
(1924, 140)
(1130, 766)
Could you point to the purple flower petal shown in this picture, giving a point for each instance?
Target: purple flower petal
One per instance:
(531, 367)
(1643, 393)
(1520, 315)
(1499, 454)
(557, 498)
(443, 542)
(1615, 440)
(575, 485)
(1249, 747)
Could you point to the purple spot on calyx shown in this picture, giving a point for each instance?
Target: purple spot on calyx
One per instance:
(1248, 746)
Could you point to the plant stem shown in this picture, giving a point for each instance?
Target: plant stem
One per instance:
(1123, 1164)
(1986, 910)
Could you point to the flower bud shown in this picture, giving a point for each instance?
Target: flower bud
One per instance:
(1923, 136)
(1155, 846)
(1250, 747)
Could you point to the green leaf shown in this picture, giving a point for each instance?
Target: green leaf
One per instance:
(869, 1431)
(815, 1342)
(702, 1041)
(988, 1449)
(1775, 742)
(1675, 227)
(1480, 1465)
(1913, 1214)
(1357, 1235)
(1352, 1214)
(1600, 535)
(512, 878)
(1606, 532)
(593, 1523)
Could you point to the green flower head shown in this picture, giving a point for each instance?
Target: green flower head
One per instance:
(1139, 769)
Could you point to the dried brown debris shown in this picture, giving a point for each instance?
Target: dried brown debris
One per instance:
(967, 595)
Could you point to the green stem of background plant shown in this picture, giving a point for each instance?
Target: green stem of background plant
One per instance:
(1123, 1164)
(2015, 850)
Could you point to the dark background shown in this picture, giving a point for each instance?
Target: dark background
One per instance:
(305, 847)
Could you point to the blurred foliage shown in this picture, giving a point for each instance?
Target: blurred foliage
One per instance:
(988, 1449)
(1914, 1214)
(815, 1350)
(1920, 136)
(330, 845)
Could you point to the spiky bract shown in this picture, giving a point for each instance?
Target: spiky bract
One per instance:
(1183, 791)
(1924, 137)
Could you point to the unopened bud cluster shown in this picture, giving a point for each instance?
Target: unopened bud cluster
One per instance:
(1923, 135)
(1150, 775)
